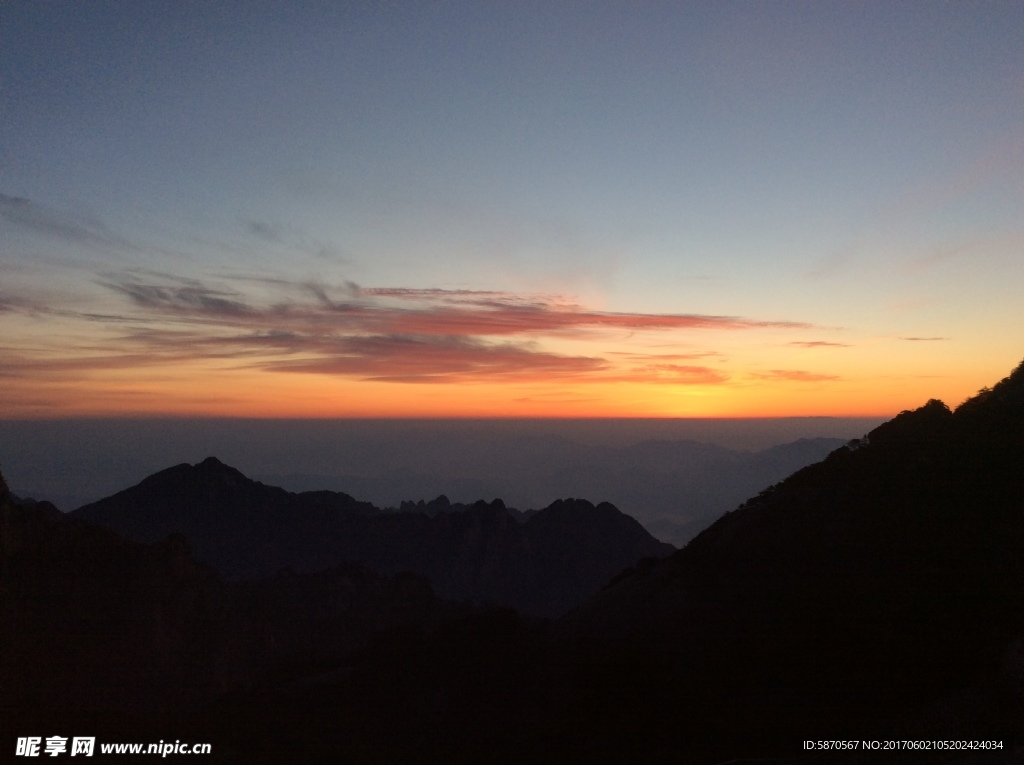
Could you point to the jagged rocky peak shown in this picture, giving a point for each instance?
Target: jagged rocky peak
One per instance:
(582, 506)
(580, 511)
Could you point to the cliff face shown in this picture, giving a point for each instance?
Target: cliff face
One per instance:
(543, 565)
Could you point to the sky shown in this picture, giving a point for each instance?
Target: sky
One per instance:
(465, 209)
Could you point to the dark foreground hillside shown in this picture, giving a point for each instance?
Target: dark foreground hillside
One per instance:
(875, 596)
(100, 636)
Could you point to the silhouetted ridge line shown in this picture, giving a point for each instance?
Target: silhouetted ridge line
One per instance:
(119, 637)
(545, 562)
(875, 595)
(859, 592)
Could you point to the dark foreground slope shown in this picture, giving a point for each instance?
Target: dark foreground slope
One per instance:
(877, 595)
(101, 636)
(543, 565)
(879, 592)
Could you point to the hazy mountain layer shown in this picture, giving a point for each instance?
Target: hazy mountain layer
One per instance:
(674, 488)
(527, 463)
(876, 595)
(546, 564)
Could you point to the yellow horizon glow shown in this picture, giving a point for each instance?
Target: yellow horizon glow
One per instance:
(66, 368)
(252, 394)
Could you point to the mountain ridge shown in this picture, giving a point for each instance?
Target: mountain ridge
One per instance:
(877, 594)
(483, 553)
(895, 563)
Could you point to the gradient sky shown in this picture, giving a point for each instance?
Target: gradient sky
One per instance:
(508, 209)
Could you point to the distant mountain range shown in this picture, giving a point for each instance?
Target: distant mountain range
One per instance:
(675, 488)
(672, 476)
(543, 564)
(875, 596)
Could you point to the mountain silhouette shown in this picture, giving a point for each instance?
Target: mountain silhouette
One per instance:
(880, 589)
(544, 564)
(242, 528)
(875, 595)
(111, 636)
(675, 488)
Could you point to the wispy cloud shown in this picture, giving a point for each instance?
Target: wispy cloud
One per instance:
(818, 344)
(794, 375)
(263, 230)
(923, 339)
(26, 305)
(29, 215)
(438, 359)
(388, 334)
(22, 365)
(289, 238)
(448, 313)
(663, 356)
(677, 374)
(191, 298)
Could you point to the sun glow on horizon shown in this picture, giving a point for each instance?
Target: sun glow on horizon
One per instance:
(178, 347)
(188, 391)
(365, 215)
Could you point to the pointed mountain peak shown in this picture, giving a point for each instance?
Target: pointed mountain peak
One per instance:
(210, 471)
(212, 467)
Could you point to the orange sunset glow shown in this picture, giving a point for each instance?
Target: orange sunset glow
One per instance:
(701, 213)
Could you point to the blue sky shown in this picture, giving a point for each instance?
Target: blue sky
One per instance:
(845, 178)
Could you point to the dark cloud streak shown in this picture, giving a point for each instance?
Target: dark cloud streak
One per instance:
(794, 375)
(438, 359)
(188, 299)
(28, 215)
(386, 334)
